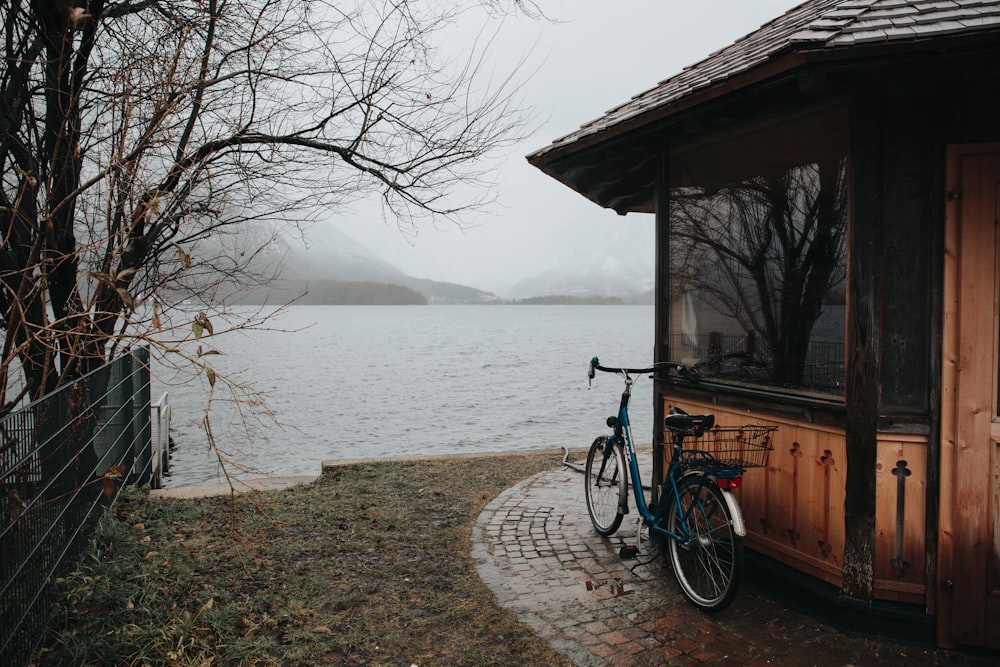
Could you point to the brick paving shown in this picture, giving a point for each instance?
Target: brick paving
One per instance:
(535, 548)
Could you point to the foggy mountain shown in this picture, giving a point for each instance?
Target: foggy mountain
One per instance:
(331, 265)
(598, 275)
(332, 255)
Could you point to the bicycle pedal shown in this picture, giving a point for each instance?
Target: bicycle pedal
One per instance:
(628, 552)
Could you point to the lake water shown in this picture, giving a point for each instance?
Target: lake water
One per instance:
(385, 381)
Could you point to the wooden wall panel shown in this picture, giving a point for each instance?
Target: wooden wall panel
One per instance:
(900, 518)
(795, 508)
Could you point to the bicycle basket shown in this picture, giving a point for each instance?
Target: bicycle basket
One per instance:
(732, 447)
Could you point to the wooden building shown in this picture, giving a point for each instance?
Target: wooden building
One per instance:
(826, 194)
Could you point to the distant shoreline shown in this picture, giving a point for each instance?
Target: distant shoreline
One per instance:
(356, 299)
(370, 293)
(535, 301)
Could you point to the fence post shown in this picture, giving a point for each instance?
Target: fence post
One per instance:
(141, 416)
(128, 389)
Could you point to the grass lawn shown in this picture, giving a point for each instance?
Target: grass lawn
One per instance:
(368, 565)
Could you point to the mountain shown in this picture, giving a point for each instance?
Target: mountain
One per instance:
(331, 267)
(331, 261)
(596, 275)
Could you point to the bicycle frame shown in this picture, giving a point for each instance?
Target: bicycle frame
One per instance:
(655, 521)
(696, 514)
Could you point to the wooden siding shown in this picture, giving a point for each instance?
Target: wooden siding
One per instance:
(900, 518)
(794, 509)
(968, 594)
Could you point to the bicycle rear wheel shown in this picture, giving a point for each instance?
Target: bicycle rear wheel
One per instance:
(607, 485)
(708, 558)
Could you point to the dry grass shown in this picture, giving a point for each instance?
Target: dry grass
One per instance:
(369, 565)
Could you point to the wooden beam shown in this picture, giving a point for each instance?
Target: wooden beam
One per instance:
(863, 327)
(661, 319)
(642, 200)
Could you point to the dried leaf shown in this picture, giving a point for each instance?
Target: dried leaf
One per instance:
(202, 324)
(105, 278)
(211, 375)
(140, 526)
(205, 322)
(126, 297)
(154, 203)
(321, 630)
(152, 554)
(108, 479)
(77, 15)
(126, 274)
(183, 257)
(156, 316)
(208, 605)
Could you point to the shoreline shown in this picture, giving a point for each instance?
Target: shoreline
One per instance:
(278, 482)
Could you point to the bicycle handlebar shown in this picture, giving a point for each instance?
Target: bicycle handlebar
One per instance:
(682, 371)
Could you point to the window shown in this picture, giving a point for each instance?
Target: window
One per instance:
(758, 228)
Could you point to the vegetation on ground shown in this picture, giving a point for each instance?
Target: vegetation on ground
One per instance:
(369, 565)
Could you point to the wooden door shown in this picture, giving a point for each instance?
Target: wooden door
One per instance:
(969, 563)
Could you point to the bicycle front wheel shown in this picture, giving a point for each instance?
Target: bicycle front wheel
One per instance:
(708, 555)
(607, 485)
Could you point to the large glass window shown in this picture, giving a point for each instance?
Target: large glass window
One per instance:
(758, 227)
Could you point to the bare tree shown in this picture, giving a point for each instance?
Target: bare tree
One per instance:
(137, 134)
(768, 255)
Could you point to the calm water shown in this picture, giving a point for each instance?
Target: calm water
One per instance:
(374, 381)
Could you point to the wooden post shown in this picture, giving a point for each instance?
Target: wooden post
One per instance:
(864, 298)
(661, 325)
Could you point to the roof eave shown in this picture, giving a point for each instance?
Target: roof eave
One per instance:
(770, 70)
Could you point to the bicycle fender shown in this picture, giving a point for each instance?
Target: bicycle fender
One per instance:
(739, 525)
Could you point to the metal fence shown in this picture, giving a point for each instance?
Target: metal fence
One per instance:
(61, 458)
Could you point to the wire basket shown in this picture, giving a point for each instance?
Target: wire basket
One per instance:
(731, 447)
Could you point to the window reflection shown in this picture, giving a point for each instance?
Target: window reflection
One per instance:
(759, 277)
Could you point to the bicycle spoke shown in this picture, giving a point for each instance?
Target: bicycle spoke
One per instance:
(707, 559)
(606, 485)
(704, 546)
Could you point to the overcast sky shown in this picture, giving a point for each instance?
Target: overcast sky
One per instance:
(599, 55)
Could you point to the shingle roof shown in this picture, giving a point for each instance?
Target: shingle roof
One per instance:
(815, 25)
(860, 21)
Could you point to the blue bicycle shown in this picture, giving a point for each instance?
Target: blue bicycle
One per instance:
(696, 514)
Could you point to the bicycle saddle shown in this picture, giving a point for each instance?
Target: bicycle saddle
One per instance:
(678, 420)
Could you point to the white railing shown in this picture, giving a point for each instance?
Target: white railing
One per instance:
(160, 440)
